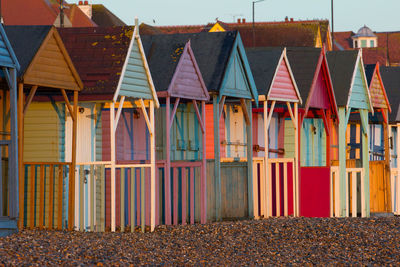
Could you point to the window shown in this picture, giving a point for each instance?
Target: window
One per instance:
(363, 43)
(355, 44)
(372, 43)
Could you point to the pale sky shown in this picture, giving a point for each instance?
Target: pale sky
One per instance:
(349, 15)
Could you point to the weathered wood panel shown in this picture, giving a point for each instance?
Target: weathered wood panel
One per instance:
(378, 187)
(289, 142)
(134, 82)
(210, 133)
(377, 94)
(313, 143)
(235, 81)
(50, 67)
(282, 86)
(320, 98)
(359, 92)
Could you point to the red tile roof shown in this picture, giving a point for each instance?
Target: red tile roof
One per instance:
(275, 33)
(41, 12)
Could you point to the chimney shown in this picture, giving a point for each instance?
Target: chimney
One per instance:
(291, 20)
(238, 20)
(86, 8)
(286, 19)
(243, 20)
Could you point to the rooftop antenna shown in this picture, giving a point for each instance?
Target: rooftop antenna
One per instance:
(61, 13)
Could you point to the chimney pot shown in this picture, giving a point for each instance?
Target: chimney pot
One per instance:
(291, 19)
(80, 3)
(286, 19)
(86, 3)
(243, 20)
(238, 20)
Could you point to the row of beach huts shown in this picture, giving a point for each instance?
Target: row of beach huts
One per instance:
(106, 130)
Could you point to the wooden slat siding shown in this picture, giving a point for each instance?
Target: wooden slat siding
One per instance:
(210, 132)
(103, 199)
(377, 95)
(142, 198)
(320, 98)
(41, 133)
(359, 93)
(313, 146)
(393, 149)
(132, 199)
(60, 197)
(122, 200)
(210, 191)
(51, 196)
(378, 187)
(134, 82)
(80, 203)
(51, 68)
(186, 82)
(234, 190)
(289, 138)
(235, 81)
(92, 183)
(184, 196)
(41, 196)
(235, 131)
(191, 194)
(32, 199)
(282, 86)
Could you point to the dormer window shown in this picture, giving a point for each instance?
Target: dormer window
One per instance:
(365, 37)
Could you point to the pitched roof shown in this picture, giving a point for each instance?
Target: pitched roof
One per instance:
(391, 81)
(41, 12)
(212, 52)
(342, 66)
(103, 17)
(303, 62)
(99, 55)
(344, 40)
(26, 41)
(263, 63)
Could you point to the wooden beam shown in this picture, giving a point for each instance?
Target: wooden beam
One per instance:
(152, 169)
(171, 120)
(326, 124)
(30, 98)
(217, 159)
(203, 187)
(119, 111)
(270, 112)
(221, 106)
(112, 141)
(20, 153)
(247, 108)
(71, 112)
(167, 181)
(291, 115)
(73, 163)
(199, 119)
(146, 117)
(245, 113)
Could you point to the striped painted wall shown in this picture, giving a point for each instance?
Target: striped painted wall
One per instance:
(289, 143)
(283, 87)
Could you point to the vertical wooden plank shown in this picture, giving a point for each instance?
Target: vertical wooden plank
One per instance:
(388, 198)
(122, 199)
(157, 222)
(342, 161)
(249, 135)
(269, 190)
(142, 200)
(354, 193)
(175, 172)
(203, 167)
(73, 164)
(167, 173)
(152, 169)
(51, 196)
(184, 199)
(285, 188)
(217, 166)
(192, 195)
(20, 154)
(81, 198)
(103, 199)
(363, 211)
(60, 195)
(331, 192)
(297, 161)
(33, 199)
(133, 206)
(365, 159)
(277, 189)
(266, 182)
(347, 194)
(112, 140)
(255, 189)
(92, 197)
(41, 196)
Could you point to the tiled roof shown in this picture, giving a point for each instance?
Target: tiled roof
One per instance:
(41, 12)
(103, 17)
(344, 40)
(98, 55)
(276, 33)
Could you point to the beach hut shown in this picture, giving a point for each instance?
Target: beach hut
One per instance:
(9, 210)
(352, 96)
(275, 133)
(391, 81)
(379, 170)
(177, 78)
(227, 76)
(117, 169)
(45, 177)
(318, 116)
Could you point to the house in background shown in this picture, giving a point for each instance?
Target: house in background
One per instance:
(100, 14)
